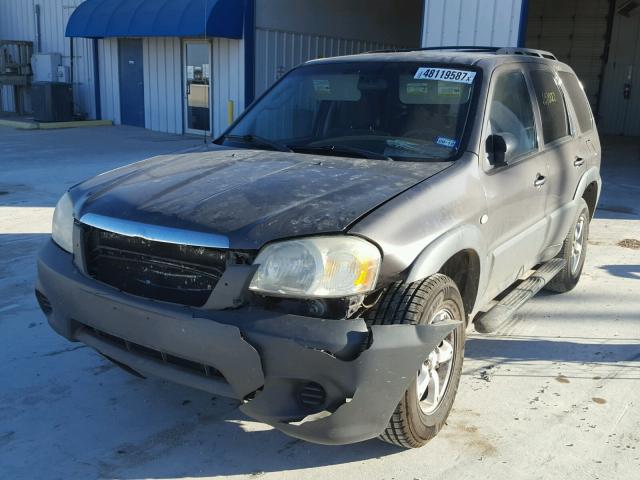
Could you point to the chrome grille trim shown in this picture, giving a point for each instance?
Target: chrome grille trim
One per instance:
(155, 233)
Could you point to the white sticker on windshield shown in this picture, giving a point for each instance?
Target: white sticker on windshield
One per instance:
(445, 74)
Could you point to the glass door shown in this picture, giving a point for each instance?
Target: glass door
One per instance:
(197, 76)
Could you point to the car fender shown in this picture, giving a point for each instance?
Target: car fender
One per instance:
(435, 255)
(590, 176)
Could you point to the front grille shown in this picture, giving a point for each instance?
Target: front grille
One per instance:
(180, 274)
(182, 363)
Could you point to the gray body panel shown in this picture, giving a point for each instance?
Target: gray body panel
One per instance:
(251, 197)
(364, 371)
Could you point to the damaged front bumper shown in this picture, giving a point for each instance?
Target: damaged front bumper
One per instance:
(325, 381)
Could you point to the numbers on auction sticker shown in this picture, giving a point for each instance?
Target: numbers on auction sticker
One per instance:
(446, 74)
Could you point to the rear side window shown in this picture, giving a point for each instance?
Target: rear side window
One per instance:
(512, 113)
(555, 122)
(578, 100)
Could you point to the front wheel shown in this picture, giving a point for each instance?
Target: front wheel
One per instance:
(426, 404)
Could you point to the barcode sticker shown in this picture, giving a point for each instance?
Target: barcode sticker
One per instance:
(445, 74)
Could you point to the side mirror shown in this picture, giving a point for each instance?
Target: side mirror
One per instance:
(500, 147)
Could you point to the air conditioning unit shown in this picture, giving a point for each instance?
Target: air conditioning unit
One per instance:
(45, 66)
(52, 102)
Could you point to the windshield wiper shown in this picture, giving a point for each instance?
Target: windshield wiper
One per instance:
(258, 141)
(338, 150)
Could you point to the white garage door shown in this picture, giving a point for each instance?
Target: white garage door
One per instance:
(575, 31)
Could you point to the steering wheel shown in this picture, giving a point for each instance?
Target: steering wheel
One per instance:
(368, 131)
(424, 133)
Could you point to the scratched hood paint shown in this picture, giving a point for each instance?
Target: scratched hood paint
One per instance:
(250, 196)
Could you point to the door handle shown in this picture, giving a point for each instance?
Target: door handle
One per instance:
(578, 162)
(540, 181)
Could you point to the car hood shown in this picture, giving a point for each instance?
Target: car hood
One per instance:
(249, 196)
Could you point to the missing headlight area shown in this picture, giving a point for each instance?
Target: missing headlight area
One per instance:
(327, 308)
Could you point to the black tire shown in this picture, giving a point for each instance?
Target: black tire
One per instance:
(569, 276)
(417, 303)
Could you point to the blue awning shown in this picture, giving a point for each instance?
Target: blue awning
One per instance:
(157, 18)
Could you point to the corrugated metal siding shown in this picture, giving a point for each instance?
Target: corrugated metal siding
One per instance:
(227, 80)
(109, 81)
(7, 99)
(574, 30)
(620, 116)
(162, 84)
(18, 22)
(83, 81)
(380, 21)
(471, 22)
(279, 51)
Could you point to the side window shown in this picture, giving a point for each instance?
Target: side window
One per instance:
(511, 114)
(578, 100)
(553, 112)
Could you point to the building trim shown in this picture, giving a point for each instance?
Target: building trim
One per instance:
(605, 55)
(522, 27)
(249, 51)
(423, 22)
(96, 76)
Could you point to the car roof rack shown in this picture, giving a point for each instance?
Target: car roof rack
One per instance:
(460, 48)
(531, 52)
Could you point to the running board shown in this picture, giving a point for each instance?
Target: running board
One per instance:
(498, 315)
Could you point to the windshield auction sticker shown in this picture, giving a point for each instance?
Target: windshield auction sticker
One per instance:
(445, 74)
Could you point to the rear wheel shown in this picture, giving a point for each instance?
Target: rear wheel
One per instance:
(426, 404)
(574, 252)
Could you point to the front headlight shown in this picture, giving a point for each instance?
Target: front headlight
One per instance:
(62, 228)
(325, 267)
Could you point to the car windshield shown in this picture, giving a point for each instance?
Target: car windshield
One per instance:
(383, 110)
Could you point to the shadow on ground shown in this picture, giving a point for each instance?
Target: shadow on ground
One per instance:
(532, 349)
(624, 271)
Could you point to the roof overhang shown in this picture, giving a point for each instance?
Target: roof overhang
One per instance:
(157, 18)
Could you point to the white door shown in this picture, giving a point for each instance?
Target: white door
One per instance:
(197, 85)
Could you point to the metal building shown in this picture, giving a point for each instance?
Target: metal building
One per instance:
(600, 39)
(188, 66)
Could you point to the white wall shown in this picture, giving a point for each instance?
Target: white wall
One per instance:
(18, 22)
(227, 80)
(162, 84)
(620, 116)
(471, 22)
(109, 79)
(575, 32)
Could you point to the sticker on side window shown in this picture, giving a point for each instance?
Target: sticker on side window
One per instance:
(445, 74)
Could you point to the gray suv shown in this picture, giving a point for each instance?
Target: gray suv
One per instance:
(322, 262)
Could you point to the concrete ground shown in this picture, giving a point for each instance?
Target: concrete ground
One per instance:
(556, 394)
